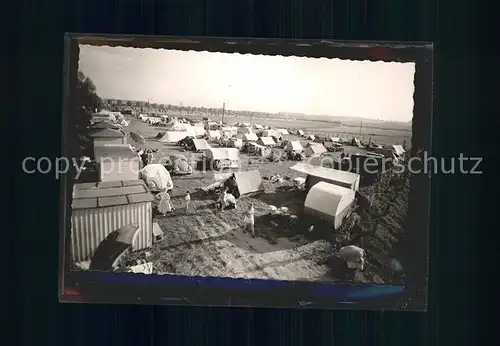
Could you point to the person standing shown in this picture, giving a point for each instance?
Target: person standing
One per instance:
(250, 220)
(149, 156)
(164, 205)
(144, 158)
(187, 198)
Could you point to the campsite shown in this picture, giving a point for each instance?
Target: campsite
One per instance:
(288, 243)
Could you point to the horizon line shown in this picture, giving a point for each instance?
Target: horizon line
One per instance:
(270, 113)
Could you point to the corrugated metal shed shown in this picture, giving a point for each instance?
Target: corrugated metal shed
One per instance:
(101, 208)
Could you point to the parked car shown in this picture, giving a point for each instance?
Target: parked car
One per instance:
(335, 147)
(187, 142)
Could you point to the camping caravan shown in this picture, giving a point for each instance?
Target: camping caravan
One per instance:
(245, 183)
(116, 162)
(294, 146)
(316, 174)
(174, 136)
(218, 158)
(266, 141)
(108, 136)
(314, 149)
(250, 137)
(200, 145)
(329, 202)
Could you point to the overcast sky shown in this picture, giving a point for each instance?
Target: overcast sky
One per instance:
(376, 90)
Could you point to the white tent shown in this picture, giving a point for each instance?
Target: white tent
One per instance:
(294, 146)
(156, 177)
(266, 141)
(270, 133)
(178, 126)
(260, 149)
(398, 149)
(222, 157)
(222, 153)
(329, 202)
(282, 131)
(311, 137)
(314, 149)
(248, 182)
(250, 137)
(315, 174)
(214, 135)
(200, 144)
(199, 131)
(174, 136)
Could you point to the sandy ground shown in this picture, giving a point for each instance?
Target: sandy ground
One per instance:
(205, 242)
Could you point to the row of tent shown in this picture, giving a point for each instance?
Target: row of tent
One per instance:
(111, 117)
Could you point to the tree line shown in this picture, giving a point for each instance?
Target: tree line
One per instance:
(87, 101)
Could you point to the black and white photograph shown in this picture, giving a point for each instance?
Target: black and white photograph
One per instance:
(228, 165)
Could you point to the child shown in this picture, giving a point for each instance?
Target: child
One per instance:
(250, 220)
(228, 200)
(188, 200)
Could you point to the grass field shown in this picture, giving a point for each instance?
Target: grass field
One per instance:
(206, 242)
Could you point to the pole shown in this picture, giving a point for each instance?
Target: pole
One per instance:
(223, 111)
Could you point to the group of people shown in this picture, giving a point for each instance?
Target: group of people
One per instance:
(226, 200)
(146, 156)
(164, 202)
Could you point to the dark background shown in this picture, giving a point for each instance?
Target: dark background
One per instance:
(35, 52)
